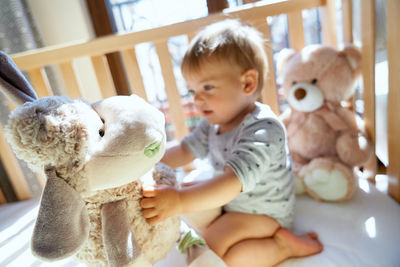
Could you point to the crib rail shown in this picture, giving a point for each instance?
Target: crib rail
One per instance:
(63, 56)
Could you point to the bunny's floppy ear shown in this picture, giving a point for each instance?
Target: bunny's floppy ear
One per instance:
(13, 83)
(62, 225)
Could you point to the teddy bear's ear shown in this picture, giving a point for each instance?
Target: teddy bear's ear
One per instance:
(353, 56)
(13, 83)
(283, 58)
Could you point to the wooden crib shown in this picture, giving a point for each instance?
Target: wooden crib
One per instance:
(360, 232)
(33, 62)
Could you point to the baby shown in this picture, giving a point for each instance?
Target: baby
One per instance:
(224, 68)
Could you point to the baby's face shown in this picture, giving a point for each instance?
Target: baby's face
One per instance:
(219, 93)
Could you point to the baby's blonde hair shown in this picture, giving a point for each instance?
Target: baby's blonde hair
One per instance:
(230, 40)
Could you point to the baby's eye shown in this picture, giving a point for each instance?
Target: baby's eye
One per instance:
(208, 87)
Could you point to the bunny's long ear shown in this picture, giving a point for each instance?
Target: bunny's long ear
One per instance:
(13, 83)
(62, 225)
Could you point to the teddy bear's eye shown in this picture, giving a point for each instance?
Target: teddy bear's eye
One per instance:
(101, 132)
(294, 82)
(314, 81)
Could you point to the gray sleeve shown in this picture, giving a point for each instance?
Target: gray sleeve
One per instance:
(257, 146)
(197, 140)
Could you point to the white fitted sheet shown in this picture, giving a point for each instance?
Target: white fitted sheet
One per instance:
(362, 232)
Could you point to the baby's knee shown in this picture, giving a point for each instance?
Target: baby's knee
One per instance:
(215, 242)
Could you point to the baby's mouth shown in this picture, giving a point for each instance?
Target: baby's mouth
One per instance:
(207, 112)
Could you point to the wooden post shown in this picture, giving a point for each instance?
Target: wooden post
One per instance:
(368, 74)
(103, 25)
(133, 72)
(269, 94)
(40, 82)
(296, 30)
(103, 76)
(70, 80)
(328, 21)
(393, 40)
(216, 5)
(174, 99)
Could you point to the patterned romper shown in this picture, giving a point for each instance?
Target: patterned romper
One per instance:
(257, 152)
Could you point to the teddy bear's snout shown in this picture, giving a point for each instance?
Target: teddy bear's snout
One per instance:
(300, 93)
(305, 97)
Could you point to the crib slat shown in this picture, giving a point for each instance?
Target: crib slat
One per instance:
(296, 30)
(347, 21)
(108, 44)
(393, 40)
(70, 80)
(269, 94)
(174, 99)
(2, 198)
(13, 169)
(133, 72)
(39, 82)
(191, 35)
(368, 73)
(103, 76)
(328, 23)
(347, 32)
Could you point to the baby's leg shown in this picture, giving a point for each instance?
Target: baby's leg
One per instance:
(233, 227)
(256, 240)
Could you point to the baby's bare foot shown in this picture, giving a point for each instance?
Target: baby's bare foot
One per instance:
(298, 246)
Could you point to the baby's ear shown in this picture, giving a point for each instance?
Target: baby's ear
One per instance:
(250, 81)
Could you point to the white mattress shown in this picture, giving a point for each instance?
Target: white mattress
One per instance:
(362, 232)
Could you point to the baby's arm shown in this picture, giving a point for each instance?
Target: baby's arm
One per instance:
(177, 156)
(160, 203)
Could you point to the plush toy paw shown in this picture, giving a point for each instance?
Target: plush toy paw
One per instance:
(354, 149)
(328, 180)
(163, 174)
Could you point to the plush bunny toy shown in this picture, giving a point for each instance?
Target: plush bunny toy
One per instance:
(326, 139)
(93, 157)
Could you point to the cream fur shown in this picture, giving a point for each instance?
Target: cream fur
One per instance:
(60, 133)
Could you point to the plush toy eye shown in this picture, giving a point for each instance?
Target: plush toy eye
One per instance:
(101, 132)
(294, 82)
(314, 81)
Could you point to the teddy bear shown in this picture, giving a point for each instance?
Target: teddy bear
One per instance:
(95, 157)
(326, 139)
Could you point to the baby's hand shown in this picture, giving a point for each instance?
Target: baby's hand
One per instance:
(159, 203)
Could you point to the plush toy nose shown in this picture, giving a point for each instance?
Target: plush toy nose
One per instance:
(152, 149)
(300, 93)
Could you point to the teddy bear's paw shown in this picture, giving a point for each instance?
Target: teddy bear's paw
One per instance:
(298, 185)
(328, 185)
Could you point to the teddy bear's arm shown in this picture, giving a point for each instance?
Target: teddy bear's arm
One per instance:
(286, 117)
(353, 145)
